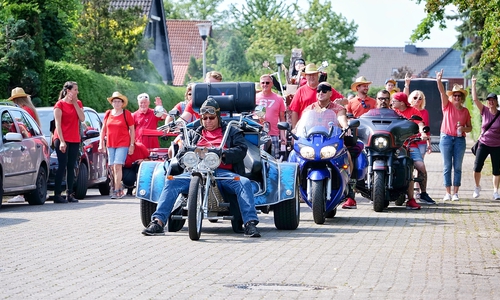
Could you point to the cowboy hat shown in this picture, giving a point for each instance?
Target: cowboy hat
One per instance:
(311, 69)
(117, 95)
(359, 80)
(17, 93)
(457, 88)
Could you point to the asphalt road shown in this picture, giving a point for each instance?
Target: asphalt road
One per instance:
(94, 249)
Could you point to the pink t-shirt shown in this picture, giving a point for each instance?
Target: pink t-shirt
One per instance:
(451, 116)
(274, 105)
(306, 96)
(490, 137)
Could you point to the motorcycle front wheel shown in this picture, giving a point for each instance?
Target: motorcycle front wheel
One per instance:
(378, 191)
(318, 196)
(195, 211)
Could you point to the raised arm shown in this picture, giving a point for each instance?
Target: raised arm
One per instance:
(444, 97)
(474, 94)
(406, 90)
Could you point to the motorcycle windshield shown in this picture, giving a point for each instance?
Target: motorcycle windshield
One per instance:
(317, 121)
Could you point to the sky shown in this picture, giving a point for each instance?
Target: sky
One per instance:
(387, 23)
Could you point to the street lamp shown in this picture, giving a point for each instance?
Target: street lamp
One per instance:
(279, 61)
(204, 29)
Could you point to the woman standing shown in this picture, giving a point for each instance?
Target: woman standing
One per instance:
(68, 114)
(456, 122)
(118, 129)
(489, 143)
(417, 100)
(23, 100)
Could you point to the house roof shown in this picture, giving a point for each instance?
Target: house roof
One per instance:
(383, 60)
(185, 41)
(145, 5)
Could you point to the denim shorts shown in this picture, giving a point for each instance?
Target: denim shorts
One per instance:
(117, 156)
(415, 154)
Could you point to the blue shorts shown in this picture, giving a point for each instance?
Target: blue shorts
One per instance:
(117, 156)
(415, 154)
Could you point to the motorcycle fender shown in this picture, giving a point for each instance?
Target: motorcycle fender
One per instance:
(318, 174)
(288, 173)
(380, 165)
(150, 180)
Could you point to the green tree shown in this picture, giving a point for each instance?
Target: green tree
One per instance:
(327, 36)
(232, 59)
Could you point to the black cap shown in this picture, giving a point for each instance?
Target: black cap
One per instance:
(211, 102)
(492, 95)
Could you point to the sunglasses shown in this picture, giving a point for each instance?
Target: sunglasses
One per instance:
(457, 95)
(265, 82)
(417, 98)
(364, 104)
(189, 94)
(210, 117)
(117, 101)
(380, 99)
(208, 110)
(324, 89)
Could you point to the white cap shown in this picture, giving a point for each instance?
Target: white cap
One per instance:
(142, 96)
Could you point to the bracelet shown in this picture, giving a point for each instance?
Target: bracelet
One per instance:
(131, 145)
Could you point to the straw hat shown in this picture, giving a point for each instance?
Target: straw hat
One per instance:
(390, 80)
(117, 95)
(359, 80)
(311, 69)
(17, 93)
(457, 88)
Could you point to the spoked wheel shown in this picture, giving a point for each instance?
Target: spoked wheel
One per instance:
(318, 196)
(195, 211)
(378, 191)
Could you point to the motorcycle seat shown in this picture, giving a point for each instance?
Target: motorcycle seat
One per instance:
(253, 163)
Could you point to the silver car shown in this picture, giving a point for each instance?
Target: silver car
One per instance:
(24, 156)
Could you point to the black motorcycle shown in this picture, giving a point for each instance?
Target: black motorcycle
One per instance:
(387, 137)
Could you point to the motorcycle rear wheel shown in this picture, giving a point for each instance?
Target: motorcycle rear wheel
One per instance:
(195, 211)
(318, 196)
(378, 191)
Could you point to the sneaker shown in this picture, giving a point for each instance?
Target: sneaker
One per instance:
(424, 197)
(71, 198)
(477, 189)
(251, 230)
(114, 195)
(496, 196)
(447, 197)
(455, 197)
(154, 228)
(16, 199)
(60, 199)
(350, 204)
(412, 204)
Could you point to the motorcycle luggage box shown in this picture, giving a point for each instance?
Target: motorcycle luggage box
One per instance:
(234, 97)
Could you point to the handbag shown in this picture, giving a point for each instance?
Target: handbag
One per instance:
(474, 147)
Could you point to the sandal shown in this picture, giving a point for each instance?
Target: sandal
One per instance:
(120, 193)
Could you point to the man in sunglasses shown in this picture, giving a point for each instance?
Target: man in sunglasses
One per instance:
(306, 95)
(210, 134)
(275, 112)
(361, 103)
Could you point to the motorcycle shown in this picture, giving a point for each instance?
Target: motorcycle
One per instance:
(323, 161)
(387, 137)
(274, 184)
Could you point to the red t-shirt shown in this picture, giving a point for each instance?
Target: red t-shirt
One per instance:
(117, 131)
(143, 121)
(213, 139)
(70, 124)
(407, 113)
(140, 152)
(306, 96)
(189, 109)
(355, 106)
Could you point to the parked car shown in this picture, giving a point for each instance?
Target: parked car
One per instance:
(24, 156)
(91, 168)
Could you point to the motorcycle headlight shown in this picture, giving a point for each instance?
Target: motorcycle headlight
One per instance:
(381, 143)
(190, 159)
(307, 152)
(211, 161)
(327, 152)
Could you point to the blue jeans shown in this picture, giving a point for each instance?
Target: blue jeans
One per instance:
(180, 185)
(452, 149)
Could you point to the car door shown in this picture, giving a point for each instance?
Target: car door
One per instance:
(17, 161)
(98, 161)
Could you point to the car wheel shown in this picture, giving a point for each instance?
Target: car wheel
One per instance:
(39, 194)
(80, 188)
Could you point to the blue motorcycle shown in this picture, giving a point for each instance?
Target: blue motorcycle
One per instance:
(323, 162)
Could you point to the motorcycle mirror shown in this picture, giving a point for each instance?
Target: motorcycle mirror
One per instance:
(353, 123)
(415, 117)
(174, 113)
(324, 64)
(426, 129)
(349, 115)
(260, 111)
(159, 111)
(283, 126)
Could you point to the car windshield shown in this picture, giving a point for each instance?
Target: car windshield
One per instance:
(316, 121)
